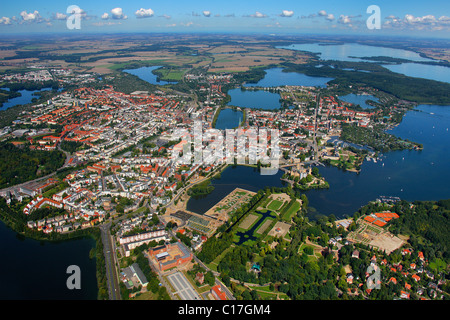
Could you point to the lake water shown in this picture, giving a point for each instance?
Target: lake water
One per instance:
(276, 77)
(146, 74)
(229, 119)
(438, 73)
(33, 269)
(244, 177)
(359, 99)
(258, 99)
(353, 52)
(26, 97)
(410, 175)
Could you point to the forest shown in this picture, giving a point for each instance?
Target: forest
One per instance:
(201, 189)
(23, 164)
(375, 138)
(427, 223)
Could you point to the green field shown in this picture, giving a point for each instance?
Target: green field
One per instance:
(275, 205)
(171, 74)
(287, 215)
(438, 265)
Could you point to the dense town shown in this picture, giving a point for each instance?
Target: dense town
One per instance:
(120, 168)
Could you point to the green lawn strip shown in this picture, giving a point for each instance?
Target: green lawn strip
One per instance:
(275, 205)
(213, 264)
(287, 215)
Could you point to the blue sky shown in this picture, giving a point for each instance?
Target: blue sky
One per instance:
(428, 18)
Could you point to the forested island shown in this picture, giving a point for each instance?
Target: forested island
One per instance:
(376, 138)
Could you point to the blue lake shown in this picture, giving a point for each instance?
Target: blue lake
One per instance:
(353, 52)
(276, 77)
(359, 99)
(146, 74)
(37, 270)
(26, 97)
(234, 177)
(258, 99)
(438, 73)
(410, 175)
(229, 119)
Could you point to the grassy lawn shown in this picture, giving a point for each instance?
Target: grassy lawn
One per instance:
(438, 265)
(146, 296)
(172, 75)
(213, 264)
(266, 293)
(314, 256)
(275, 205)
(290, 211)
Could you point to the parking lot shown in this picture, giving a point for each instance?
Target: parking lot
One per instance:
(182, 287)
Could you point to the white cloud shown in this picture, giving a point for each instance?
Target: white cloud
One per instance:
(109, 23)
(344, 19)
(105, 16)
(287, 13)
(30, 16)
(144, 13)
(427, 22)
(206, 13)
(5, 20)
(60, 16)
(165, 16)
(117, 13)
(257, 15)
(323, 13)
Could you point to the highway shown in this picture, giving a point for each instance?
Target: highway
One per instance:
(110, 262)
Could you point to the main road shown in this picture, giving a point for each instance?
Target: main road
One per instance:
(110, 262)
